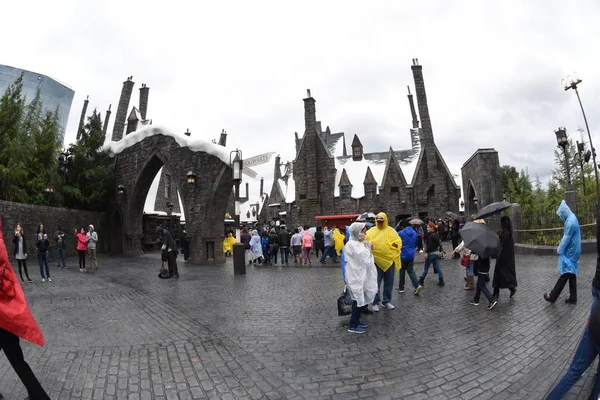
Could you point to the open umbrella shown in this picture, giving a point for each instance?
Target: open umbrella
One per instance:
(481, 240)
(367, 218)
(451, 214)
(415, 221)
(492, 209)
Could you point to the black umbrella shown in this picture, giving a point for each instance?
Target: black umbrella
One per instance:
(451, 214)
(481, 240)
(492, 209)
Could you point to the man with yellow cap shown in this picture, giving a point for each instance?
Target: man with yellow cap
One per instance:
(386, 252)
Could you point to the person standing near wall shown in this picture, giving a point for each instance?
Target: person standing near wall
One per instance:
(92, 239)
(61, 245)
(81, 248)
(169, 245)
(43, 245)
(21, 251)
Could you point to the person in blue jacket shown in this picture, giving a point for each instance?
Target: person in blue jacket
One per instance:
(569, 251)
(407, 257)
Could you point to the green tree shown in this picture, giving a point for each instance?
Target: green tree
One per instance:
(44, 158)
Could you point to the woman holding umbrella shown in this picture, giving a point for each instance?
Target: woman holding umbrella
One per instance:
(505, 276)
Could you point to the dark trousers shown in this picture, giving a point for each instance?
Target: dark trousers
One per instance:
(329, 251)
(172, 263)
(388, 284)
(407, 268)
(60, 256)
(12, 348)
(23, 263)
(355, 316)
(43, 259)
(81, 254)
(560, 284)
(482, 288)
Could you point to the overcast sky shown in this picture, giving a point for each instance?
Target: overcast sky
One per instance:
(492, 69)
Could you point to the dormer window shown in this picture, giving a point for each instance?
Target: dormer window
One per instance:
(345, 191)
(394, 189)
(357, 149)
(370, 190)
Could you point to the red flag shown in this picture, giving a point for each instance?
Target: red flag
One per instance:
(15, 316)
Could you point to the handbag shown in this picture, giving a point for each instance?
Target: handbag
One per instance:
(465, 260)
(344, 303)
(163, 274)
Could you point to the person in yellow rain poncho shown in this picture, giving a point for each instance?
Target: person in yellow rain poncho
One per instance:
(228, 243)
(386, 252)
(339, 240)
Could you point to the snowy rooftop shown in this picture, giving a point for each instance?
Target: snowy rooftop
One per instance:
(184, 141)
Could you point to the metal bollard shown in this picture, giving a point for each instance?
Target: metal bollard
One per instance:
(239, 259)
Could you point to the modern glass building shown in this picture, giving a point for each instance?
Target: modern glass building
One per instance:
(53, 93)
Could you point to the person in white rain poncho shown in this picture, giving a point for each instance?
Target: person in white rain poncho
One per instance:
(256, 248)
(361, 275)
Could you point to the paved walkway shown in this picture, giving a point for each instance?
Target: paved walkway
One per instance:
(122, 333)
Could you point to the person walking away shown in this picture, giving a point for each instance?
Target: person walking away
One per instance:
(505, 276)
(455, 235)
(256, 248)
(307, 245)
(43, 245)
(17, 322)
(469, 275)
(420, 238)
(273, 245)
(339, 240)
(81, 248)
(441, 228)
(407, 258)
(386, 253)
(284, 244)
(569, 251)
(61, 245)
(360, 274)
(21, 251)
(589, 344)
(169, 245)
(296, 243)
(329, 246)
(481, 270)
(92, 239)
(245, 240)
(432, 255)
(319, 242)
(228, 244)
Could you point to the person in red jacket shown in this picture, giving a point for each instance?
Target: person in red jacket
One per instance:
(17, 322)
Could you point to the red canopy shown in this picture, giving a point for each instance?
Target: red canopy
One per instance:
(344, 216)
(337, 220)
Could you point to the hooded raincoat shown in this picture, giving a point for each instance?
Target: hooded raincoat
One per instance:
(361, 275)
(256, 245)
(15, 316)
(228, 243)
(569, 248)
(338, 239)
(387, 245)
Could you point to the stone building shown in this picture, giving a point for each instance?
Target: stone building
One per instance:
(325, 180)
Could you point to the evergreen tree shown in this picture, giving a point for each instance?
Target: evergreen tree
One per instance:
(44, 159)
(13, 162)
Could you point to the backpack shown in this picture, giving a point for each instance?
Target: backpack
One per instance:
(307, 241)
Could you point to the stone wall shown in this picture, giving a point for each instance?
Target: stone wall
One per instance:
(30, 216)
(481, 178)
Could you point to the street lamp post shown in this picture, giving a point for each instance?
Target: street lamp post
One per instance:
(571, 83)
(580, 152)
(48, 191)
(239, 251)
(563, 141)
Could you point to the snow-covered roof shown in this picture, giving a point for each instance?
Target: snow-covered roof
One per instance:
(194, 144)
(288, 188)
(245, 210)
(335, 144)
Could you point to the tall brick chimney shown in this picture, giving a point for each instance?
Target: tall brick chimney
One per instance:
(310, 113)
(223, 138)
(119, 125)
(262, 186)
(426, 131)
(144, 92)
(82, 118)
(277, 172)
(105, 127)
(415, 119)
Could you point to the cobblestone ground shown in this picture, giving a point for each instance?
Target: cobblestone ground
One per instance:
(122, 333)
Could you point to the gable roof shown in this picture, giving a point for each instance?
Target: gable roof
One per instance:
(369, 178)
(344, 181)
(392, 163)
(356, 141)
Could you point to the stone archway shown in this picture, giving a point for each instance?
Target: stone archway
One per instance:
(204, 202)
(471, 194)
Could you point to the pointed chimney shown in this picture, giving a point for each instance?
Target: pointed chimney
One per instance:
(247, 191)
(223, 138)
(144, 92)
(426, 129)
(262, 186)
(119, 125)
(277, 172)
(415, 119)
(310, 113)
(187, 132)
(82, 118)
(108, 112)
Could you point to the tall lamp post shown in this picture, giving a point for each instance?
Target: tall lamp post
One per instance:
(239, 252)
(48, 191)
(571, 82)
(580, 152)
(563, 141)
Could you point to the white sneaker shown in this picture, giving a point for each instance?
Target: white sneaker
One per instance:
(49, 280)
(389, 306)
(43, 279)
(420, 251)
(376, 307)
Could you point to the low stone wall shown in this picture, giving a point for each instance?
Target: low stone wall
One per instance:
(30, 216)
(587, 247)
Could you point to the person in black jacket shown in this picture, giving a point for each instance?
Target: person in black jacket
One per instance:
(432, 254)
(284, 243)
(42, 243)
(504, 273)
(481, 269)
(589, 344)
(169, 245)
(21, 251)
(319, 242)
(273, 245)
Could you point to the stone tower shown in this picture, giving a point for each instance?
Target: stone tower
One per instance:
(108, 112)
(119, 125)
(144, 92)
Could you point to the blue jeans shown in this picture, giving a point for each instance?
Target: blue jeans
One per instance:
(60, 256)
(284, 255)
(482, 288)
(584, 357)
(407, 267)
(329, 251)
(43, 258)
(388, 284)
(435, 259)
(355, 316)
(469, 269)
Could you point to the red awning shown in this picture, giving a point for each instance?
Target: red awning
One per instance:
(345, 216)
